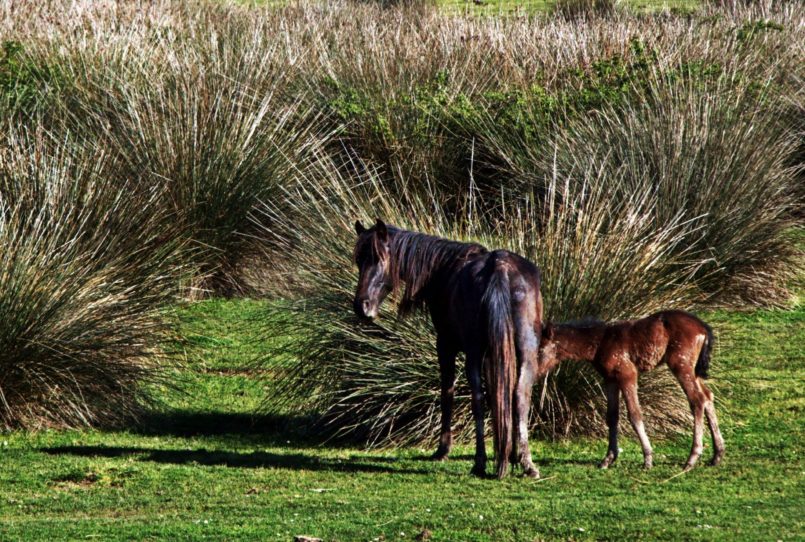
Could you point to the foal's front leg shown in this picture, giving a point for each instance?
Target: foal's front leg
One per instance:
(447, 373)
(474, 378)
(628, 386)
(613, 407)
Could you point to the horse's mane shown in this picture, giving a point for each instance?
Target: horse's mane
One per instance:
(417, 257)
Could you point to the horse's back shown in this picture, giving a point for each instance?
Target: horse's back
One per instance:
(468, 288)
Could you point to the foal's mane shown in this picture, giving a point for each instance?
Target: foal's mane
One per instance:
(585, 323)
(415, 258)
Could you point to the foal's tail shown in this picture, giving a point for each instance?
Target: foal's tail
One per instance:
(500, 363)
(703, 363)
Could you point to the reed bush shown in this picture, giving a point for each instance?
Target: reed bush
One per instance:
(85, 274)
(379, 382)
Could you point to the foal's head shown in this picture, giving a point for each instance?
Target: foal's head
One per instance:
(570, 341)
(375, 279)
(548, 355)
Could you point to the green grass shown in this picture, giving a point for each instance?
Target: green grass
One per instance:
(204, 469)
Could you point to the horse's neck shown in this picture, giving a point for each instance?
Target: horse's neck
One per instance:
(423, 262)
(579, 344)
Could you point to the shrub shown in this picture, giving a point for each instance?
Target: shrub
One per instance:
(84, 274)
(583, 9)
(379, 382)
(216, 130)
(24, 81)
(712, 155)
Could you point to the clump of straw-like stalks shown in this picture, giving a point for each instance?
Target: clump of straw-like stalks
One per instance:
(84, 275)
(380, 381)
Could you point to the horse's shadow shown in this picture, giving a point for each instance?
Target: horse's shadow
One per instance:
(284, 432)
(211, 424)
(218, 458)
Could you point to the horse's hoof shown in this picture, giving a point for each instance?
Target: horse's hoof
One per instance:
(531, 472)
(478, 471)
(647, 464)
(439, 456)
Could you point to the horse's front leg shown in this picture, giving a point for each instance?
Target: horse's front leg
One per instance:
(447, 373)
(474, 379)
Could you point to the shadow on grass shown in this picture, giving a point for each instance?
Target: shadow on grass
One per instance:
(193, 423)
(252, 460)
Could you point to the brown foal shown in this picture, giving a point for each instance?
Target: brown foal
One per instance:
(621, 350)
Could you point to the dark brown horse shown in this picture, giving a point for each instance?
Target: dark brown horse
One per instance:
(621, 350)
(485, 304)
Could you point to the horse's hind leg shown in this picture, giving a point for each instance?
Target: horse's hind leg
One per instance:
(447, 374)
(474, 379)
(527, 345)
(628, 386)
(613, 406)
(712, 420)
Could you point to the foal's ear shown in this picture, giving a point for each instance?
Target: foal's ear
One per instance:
(359, 229)
(381, 230)
(547, 331)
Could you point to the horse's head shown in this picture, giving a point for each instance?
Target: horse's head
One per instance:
(372, 256)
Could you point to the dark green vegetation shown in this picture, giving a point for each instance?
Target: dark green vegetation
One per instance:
(207, 469)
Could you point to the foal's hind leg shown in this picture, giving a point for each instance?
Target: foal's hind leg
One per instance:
(696, 397)
(447, 374)
(613, 406)
(712, 420)
(628, 386)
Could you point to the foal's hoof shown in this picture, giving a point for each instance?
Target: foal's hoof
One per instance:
(479, 471)
(439, 456)
(716, 460)
(648, 463)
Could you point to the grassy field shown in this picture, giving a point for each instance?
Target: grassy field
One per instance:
(205, 469)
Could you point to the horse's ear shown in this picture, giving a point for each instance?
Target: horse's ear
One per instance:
(547, 331)
(359, 229)
(381, 230)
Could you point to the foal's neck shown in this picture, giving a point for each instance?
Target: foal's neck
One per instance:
(578, 342)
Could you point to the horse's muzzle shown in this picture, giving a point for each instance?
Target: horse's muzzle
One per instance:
(364, 308)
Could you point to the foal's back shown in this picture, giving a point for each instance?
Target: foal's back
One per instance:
(671, 337)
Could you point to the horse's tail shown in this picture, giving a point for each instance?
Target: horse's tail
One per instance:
(703, 363)
(500, 363)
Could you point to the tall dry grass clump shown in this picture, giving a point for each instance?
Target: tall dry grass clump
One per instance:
(85, 272)
(701, 156)
(379, 382)
(212, 122)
